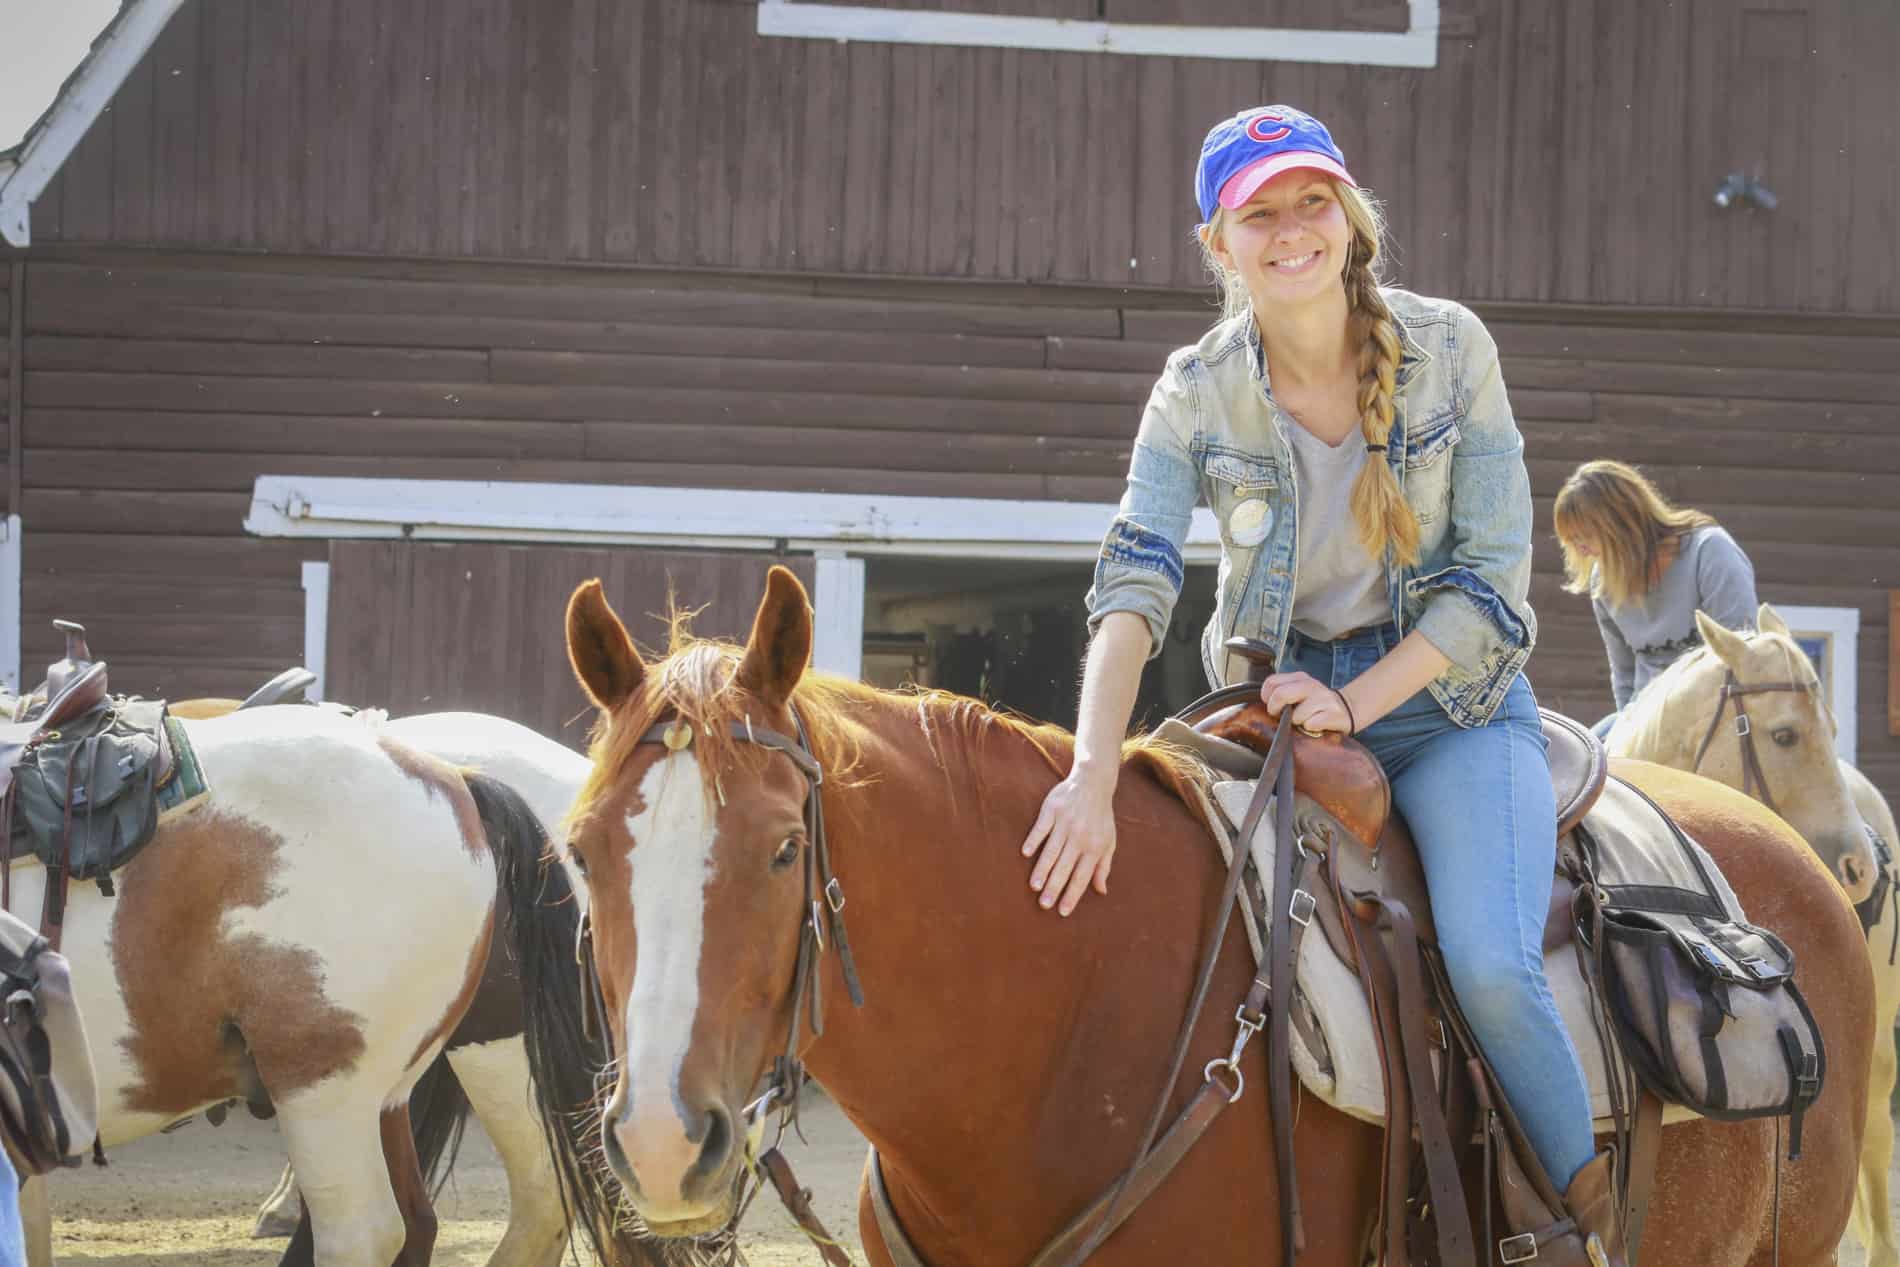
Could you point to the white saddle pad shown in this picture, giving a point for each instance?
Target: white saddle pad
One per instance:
(1338, 1001)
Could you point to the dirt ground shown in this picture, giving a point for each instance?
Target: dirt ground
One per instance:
(188, 1200)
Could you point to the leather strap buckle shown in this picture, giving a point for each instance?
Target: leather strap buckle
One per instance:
(1742, 727)
(1300, 909)
(834, 895)
(1517, 1249)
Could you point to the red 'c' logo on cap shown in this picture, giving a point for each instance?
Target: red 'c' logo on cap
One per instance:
(1268, 127)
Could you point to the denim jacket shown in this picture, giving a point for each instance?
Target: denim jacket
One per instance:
(1212, 432)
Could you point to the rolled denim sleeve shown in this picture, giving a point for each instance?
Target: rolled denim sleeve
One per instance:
(1140, 568)
(1481, 603)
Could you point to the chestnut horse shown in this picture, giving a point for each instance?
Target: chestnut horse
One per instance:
(1005, 1059)
(1828, 801)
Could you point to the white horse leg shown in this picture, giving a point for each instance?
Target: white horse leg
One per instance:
(335, 1141)
(36, 1221)
(278, 1215)
(495, 1078)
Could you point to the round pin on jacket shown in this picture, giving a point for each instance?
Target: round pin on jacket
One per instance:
(1250, 522)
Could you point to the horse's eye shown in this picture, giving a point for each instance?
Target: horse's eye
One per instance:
(580, 863)
(786, 854)
(1785, 736)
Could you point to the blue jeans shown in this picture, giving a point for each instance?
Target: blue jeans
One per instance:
(12, 1244)
(1480, 807)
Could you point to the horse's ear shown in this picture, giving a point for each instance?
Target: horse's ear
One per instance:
(1730, 646)
(1768, 620)
(603, 655)
(780, 644)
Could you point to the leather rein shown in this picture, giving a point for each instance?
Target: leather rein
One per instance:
(824, 909)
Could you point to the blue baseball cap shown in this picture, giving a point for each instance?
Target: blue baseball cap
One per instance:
(1245, 152)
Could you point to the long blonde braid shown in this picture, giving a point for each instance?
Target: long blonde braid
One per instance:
(1384, 518)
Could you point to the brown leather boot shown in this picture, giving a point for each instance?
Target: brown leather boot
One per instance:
(1592, 1201)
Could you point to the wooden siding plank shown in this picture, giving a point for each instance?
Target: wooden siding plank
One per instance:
(164, 513)
(552, 403)
(131, 124)
(620, 133)
(221, 359)
(748, 374)
(368, 586)
(76, 316)
(282, 436)
(584, 297)
(72, 468)
(174, 167)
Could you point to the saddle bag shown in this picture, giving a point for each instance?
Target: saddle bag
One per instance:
(1706, 1002)
(88, 793)
(49, 1105)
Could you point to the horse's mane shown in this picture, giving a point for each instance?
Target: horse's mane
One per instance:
(693, 681)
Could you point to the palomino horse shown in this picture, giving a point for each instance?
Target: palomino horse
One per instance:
(310, 932)
(1004, 1058)
(1793, 769)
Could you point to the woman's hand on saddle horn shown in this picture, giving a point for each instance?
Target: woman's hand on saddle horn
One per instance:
(1075, 834)
(1314, 707)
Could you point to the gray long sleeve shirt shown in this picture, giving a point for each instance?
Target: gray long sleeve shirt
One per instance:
(1643, 638)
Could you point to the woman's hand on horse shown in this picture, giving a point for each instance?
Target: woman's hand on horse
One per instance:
(1315, 707)
(1075, 833)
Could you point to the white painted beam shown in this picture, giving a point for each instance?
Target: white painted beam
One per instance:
(10, 604)
(316, 623)
(734, 519)
(1415, 47)
(838, 610)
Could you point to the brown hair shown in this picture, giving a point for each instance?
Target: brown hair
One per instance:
(1631, 524)
(1379, 509)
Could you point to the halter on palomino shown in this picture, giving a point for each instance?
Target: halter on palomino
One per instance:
(1755, 780)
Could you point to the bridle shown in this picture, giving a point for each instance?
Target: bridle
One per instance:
(824, 906)
(1755, 784)
(1754, 779)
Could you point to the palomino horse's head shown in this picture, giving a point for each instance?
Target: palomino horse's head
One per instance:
(694, 844)
(1781, 751)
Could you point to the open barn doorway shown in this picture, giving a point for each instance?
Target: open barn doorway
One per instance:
(1012, 632)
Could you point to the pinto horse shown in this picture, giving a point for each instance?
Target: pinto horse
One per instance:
(1004, 1058)
(310, 934)
(1685, 718)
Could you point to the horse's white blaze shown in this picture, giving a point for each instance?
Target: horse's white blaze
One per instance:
(671, 865)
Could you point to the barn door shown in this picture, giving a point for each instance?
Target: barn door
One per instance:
(430, 627)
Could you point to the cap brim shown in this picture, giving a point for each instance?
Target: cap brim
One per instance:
(1246, 182)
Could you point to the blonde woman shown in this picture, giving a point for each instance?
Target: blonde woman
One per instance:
(1647, 567)
(1358, 450)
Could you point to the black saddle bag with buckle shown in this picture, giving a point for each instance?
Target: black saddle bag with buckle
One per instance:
(1706, 1003)
(88, 794)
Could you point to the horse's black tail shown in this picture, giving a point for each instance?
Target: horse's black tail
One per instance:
(568, 1068)
(438, 1115)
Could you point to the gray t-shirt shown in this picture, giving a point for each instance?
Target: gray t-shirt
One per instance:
(1339, 587)
(1645, 637)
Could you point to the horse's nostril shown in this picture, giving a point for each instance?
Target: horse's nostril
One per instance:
(1851, 868)
(718, 1139)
